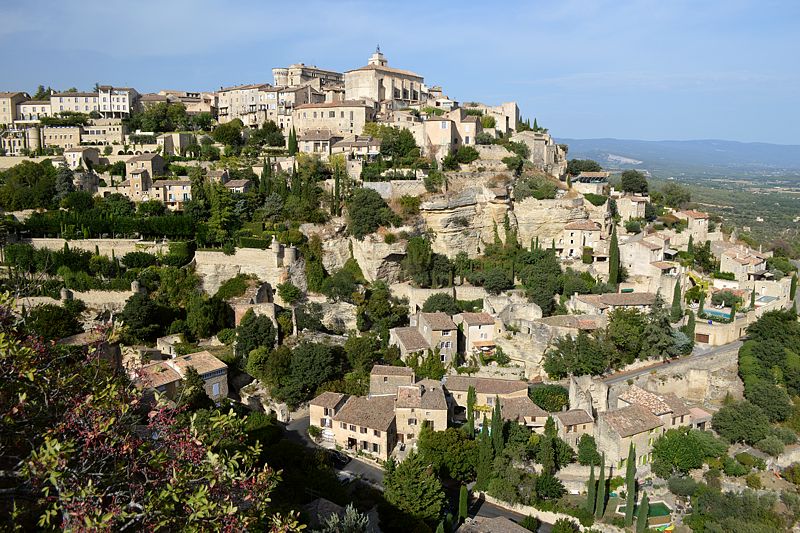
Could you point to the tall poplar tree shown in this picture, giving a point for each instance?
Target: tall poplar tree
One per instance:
(630, 485)
(613, 258)
(471, 399)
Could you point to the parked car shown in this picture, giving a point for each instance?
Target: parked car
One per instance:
(339, 459)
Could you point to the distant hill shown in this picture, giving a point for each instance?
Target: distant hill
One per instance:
(687, 158)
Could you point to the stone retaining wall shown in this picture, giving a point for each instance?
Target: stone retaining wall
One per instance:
(120, 247)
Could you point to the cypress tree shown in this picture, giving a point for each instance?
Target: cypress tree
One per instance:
(753, 298)
(463, 503)
(591, 491)
(292, 142)
(485, 458)
(702, 302)
(471, 412)
(690, 246)
(613, 258)
(600, 502)
(688, 329)
(630, 485)
(676, 312)
(497, 427)
(535, 124)
(793, 287)
(641, 514)
(569, 181)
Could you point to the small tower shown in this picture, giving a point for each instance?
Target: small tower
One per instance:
(378, 58)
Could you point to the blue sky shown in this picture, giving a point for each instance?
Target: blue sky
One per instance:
(651, 69)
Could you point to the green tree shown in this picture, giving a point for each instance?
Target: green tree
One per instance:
(689, 328)
(485, 458)
(414, 489)
(680, 450)
(463, 503)
(497, 427)
(675, 196)
(254, 331)
(292, 143)
(52, 322)
(221, 219)
(613, 259)
(741, 422)
(418, 261)
(64, 182)
(192, 394)
(587, 451)
(496, 281)
(441, 302)
(351, 521)
(564, 525)
(630, 485)
(634, 182)
(229, 133)
(676, 312)
(550, 397)
(531, 523)
(793, 287)
(642, 514)
(471, 399)
(690, 246)
(144, 319)
(658, 341)
(451, 453)
(600, 502)
(591, 491)
(366, 212)
(577, 166)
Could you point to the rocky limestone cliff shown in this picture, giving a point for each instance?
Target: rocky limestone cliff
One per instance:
(274, 265)
(461, 221)
(546, 218)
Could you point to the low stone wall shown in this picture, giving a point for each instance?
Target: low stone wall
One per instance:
(274, 265)
(97, 300)
(395, 189)
(416, 296)
(120, 247)
(548, 517)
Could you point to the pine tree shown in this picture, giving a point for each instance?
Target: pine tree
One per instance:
(600, 502)
(641, 514)
(471, 399)
(676, 312)
(497, 427)
(463, 503)
(630, 485)
(485, 458)
(690, 246)
(591, 491)
(613, 258)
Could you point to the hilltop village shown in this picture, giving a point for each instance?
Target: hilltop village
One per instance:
(410, 305)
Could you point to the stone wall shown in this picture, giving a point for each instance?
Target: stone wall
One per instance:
(120, 247)
(545, 516)
(395, 189)
(113, 301)
(416, 296)
(274, 265)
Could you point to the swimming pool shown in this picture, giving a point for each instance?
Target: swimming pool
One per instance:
(720, 313)
(658, 508)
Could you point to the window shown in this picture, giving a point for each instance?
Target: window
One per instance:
(490, 400)
(365, 445)
(376, 432)
(445, 333)
(412, 421)
(364, 430)
(352, 428)
(342, 425)
(443, 124)
(376, 448)
(331, 114)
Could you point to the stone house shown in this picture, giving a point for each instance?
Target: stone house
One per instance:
(380, 83)
(744, 263)
(617, 429)
(81, 157)
(521, 410)
(697, 224)
(347, 117)
(360, 147)
(439, 331)
(152, 163)
(668, 407)
(61, 136)
(476, 332)
(600, 304)
(164, 376)
(174, 143)
(631, 206)
(419, 404)
(572, 424)
(367, 425)
(317, 142)
(321, 411)
(408, 340)
(577, 236)
(239, 186)
(9, 102)
(173, 193)
(486, 390)
(385, 379)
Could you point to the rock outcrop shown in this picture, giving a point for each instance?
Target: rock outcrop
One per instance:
(546, 218)
(274, 265)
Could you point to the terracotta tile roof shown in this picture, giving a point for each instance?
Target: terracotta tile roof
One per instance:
(638, 396)
(663, 265)
(631, 420)
(388, 370)
(574, 417)
(142, 157)
(328, 399)
(484, 385)
(427, 394)
(35, 102)
(80, 94)
(438, 321)
(376, 412)
(585, 225)
(204, 362)
(10, 94)
(481, 524)
(157, 374)
(651, 245)
(411, 339)
(236, 183)
(317, 135)
(676, 404)
(79, 149)
(618, 299)
(518, 409)
(691, 213)
(478, 319)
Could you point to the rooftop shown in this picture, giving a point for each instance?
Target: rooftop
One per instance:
(618, 299)
(573, 417)
(390, 70)
(478, 319)
(691, 213)
(439, 321)
(499, 524)
(343, 103)
(427, 394)
(236, 183)
(411, 339)
(518, 409)
(485, 385)
(376, 412)
(204, 362)
(317, 135)
(585, 225)
(631, 420)
(157, 374)
(653, 402)
(143, 157)
(328, 399)
(388, 370)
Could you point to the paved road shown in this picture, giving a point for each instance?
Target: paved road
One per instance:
(702, 354)
(297, 431)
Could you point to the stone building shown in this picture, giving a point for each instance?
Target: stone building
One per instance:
(164, 376)
(391, 87)
(600, 304)
(573, 424)
(486, 390)
(317, 142)
(152, 163)
(577, 236)
(384, 380)
(81, 157)
(8, 106)
(366, 425)
(418, 404)
(697, 224)
(322, 410)
(347, 117)
(476, 332)
(300, 74)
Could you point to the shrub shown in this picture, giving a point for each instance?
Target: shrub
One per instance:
(771, 445)
(750, 460)
(409, 205)
(792, 473)
(682, 486)
(233, 287)
(255, 242)
(314, 432)
(595, 199)
(484, 138)
(466, 155)
(786, 435)
(226, 336)
(139, 260)
(633, 226)
(390, 238)
(733, 468)
(753, 481)
(538, 187)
